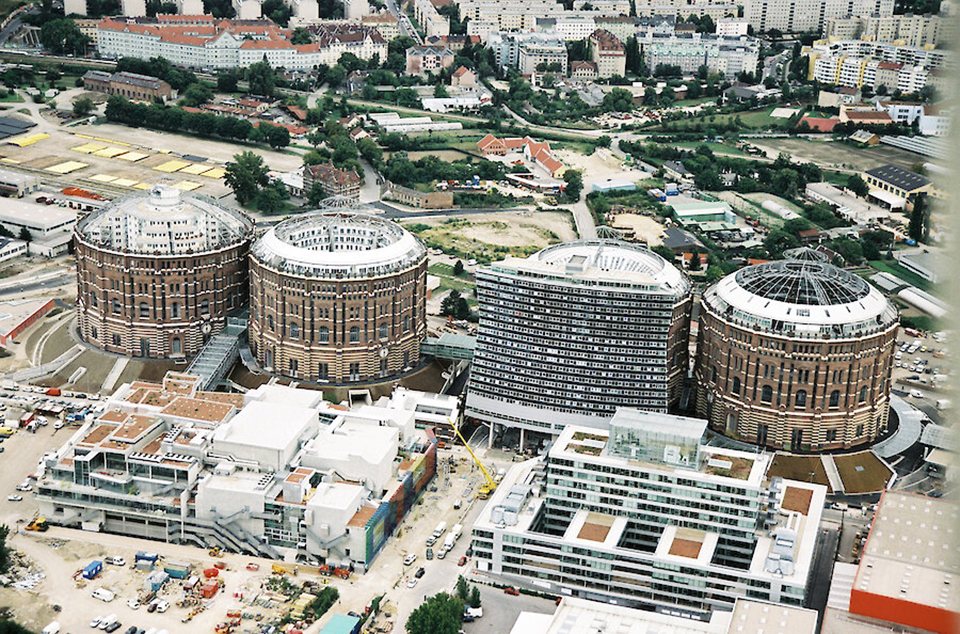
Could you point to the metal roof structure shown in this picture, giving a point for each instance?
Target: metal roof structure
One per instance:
(341, 239)
(908, 430)
(940, 437)
(612, 256)
(898, 177)
(803, 282)
(805, 254)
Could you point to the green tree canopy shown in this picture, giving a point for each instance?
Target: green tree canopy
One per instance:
(262, 79)
(574, 184)
(82, 106)
(62, 37)
(858, 186)
(440, 614)
(196, 95)
(245, 175)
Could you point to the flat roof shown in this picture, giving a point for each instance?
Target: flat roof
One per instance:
(23, 211)
(771, 618)
(266, 425)
(929, 260)
(274, 393)
(198, 409)
(372, 443)
(911, 552)
(657, 423)
(13, 314)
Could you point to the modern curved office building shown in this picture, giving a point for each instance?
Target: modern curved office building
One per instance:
(158, 272)
(795, 354)
(575, 331)
(339, 296)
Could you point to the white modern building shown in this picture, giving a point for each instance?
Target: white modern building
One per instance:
(644, 515)
(50, 226)
(573, 332)
(908, 30)
(857, 62)
(525, 51)
(276, 472)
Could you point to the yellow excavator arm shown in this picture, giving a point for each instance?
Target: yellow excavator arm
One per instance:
(490, 486)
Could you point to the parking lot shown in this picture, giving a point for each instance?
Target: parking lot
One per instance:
(920, 367)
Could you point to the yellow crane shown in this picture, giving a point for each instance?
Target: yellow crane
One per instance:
(486, 490)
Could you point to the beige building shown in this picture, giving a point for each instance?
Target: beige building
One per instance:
(796, 354)
(607, 53)
(428, 59)
(337, 296)
(335, 181)
(158, 273)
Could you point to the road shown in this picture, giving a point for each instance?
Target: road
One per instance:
(46, 281)
(818, 584)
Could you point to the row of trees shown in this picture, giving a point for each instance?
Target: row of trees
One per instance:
(248, 176)
(443, 613)
(175, 119)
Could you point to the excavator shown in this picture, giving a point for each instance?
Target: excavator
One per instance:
(487, 489)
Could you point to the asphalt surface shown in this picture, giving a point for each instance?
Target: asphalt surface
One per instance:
(818, 589)
(50, 282)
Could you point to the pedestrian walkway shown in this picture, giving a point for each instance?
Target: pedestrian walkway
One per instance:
(833, 474)
(218, 356)
(114, 375)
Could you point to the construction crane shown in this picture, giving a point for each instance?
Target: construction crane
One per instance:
(486, 490)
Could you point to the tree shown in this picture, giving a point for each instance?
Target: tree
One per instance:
(849, 250)
(270, 200)
(25, 235)
(694, 260)
(440, 614)
(62, 37)
(708, 180)
(277, 136)
(196, 95)
(316, 194)
(917, 217)
(245, 175)
(336, 76)
(664, 252)
(440, 91)
(618, 100)
(458, 271)
(714, 273)
(82, 106)
(858, 186)
(227, 82)
(463, 589)
(778, 241)
(604, 140)
(300, 36)
(455, 305)
(407, 97)
(370, 151)
(574, 184)
(262, 79)
(475, 597)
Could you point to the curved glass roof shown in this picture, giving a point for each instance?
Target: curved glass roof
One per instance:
(803, 282)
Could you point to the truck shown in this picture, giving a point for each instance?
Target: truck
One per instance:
(448, 543)
(53, 628)
(456, 531)
(439, 530)
(658, 194)
(671, 189)
(500, 475)
(943, 404)
(93, 569)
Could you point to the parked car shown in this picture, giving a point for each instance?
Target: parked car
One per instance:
(463, 561)
(14, 498)
(420, 572)
(412, 583)
(429, 554)
(409, 559)
(511, 591)
(133, 604)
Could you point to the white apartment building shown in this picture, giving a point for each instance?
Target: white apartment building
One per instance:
(607, 52)
(732, 27)
(276, 472)
(430, 19)
(524, 51)
(209, 44)
(726, 55)
(685, 8)
(907, 30)
(931, 120)
(856, 63)
(645, 515)
(807, 15)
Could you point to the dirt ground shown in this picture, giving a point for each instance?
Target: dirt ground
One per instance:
(497, 234)
(799, 468)
(600, 166)
(862, 472)
(645, 228)
(839, 155)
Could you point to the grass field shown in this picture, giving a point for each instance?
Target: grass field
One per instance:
(715, 147)
(799, 468)
(891, 267)
(755, 119)
(862, 472)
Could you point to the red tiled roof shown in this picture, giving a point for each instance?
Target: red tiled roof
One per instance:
(820, 125)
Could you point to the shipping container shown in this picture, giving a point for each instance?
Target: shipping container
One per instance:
(93, 569)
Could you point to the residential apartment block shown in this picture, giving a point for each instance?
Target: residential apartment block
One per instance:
(807, 15)
(857, 63)
(429, 18)
(206, 43)
(607, 52)
(428, 59)
(525, 51)
(907, 30)
(728, 56)
(333, 180)
(275, 472)
(573, 332)
(646, 515)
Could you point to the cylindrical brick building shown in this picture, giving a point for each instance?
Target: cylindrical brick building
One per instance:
(337, 296)
(795, 355)
(158, 272)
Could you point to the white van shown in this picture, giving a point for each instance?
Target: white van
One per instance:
(53, 628)
(108, 621)
(103, 594)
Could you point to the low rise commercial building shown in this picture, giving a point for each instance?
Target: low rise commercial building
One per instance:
(18, 184)
(130, 85)
(605, 516)
(418, 199)
(18, 315)
(895, 187)
(930, 266)
(847, 206)
(170, 462)
(10, 249)
(49, 227)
